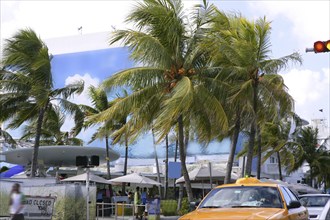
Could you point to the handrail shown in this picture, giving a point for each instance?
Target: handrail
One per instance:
(114, 209)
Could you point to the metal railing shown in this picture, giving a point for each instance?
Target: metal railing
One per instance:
(117, 210)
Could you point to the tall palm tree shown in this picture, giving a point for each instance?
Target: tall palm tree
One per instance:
(277, 141)
(118, 125)
(316, 155)
(171, 86)
(242, 49)
(100, 103)
(28, 84)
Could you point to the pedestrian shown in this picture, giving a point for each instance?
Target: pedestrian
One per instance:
(130, 197)
(144, 197)
(16, 203)
(137, 202)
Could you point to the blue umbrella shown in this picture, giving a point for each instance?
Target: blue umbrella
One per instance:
(12, 171)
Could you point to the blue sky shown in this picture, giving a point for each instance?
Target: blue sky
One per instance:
(295, 26)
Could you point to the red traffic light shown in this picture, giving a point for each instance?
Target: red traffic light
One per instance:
(322, 46)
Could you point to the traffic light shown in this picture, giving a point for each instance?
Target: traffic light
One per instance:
(322, 46)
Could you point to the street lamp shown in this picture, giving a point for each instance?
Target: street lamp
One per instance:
(86, 162)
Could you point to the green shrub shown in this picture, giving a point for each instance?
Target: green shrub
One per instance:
(168, 207)
(128, 211)
(4, 204)
(3, 169)
(69, 208)
(184, 206)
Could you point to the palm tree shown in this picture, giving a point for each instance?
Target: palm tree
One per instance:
(171, 87)
(100, 103)
(316, 155)
(118, 125)
(242, 49)
(51, 133)
(7, 138)
(277, 141)
(28, 84)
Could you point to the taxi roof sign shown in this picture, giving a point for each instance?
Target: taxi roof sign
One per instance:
(248, 180)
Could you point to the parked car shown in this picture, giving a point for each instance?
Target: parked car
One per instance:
(318, 205)
(249, 198)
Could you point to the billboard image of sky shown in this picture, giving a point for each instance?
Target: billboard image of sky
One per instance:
(93, 66)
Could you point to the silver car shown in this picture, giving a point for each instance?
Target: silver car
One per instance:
(318, 205)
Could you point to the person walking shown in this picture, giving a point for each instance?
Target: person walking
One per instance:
(137, 202)
(16, 203)
(144, 197)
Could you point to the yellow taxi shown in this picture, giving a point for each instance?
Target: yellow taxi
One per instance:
(249, 198)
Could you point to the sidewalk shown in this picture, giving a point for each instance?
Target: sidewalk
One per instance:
(132, 218)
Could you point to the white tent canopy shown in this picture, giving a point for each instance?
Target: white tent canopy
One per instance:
(83, 178)
(203, 173)
(135, 179)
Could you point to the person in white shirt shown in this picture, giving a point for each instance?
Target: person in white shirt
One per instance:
(16, 203)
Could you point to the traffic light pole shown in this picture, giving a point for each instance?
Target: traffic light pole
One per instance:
(309, 50)
(87, 197)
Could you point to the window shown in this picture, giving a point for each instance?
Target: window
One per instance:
(245, 196)
(314, 201)
(273, 160)
(286, 196)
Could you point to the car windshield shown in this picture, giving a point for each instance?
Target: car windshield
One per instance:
(314, 201)
(242, 196)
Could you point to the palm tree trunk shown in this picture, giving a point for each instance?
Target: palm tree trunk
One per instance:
(180, 197)
(37, 142)
(176, 149)
(183, 159)
(107, 155)
(279, 165)
(166, 168)
(175, 159)
(248, 167)
(249, 156)
(234, 139)
(157, 164)
(125, 164)
(258, 152)
(108, 160)
(311, 175)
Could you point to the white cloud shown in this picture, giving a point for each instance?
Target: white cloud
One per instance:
(89, 81)
(310, 90)
(81, 99)
(310, 19)
(62, 18)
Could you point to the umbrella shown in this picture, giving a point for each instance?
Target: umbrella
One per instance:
(12, 171)
(83, 177)
(203, 173)
(134, 178)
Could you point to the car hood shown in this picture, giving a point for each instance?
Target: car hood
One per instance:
(232, 213)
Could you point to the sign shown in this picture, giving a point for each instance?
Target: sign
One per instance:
(39, 207)
(174, 170)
